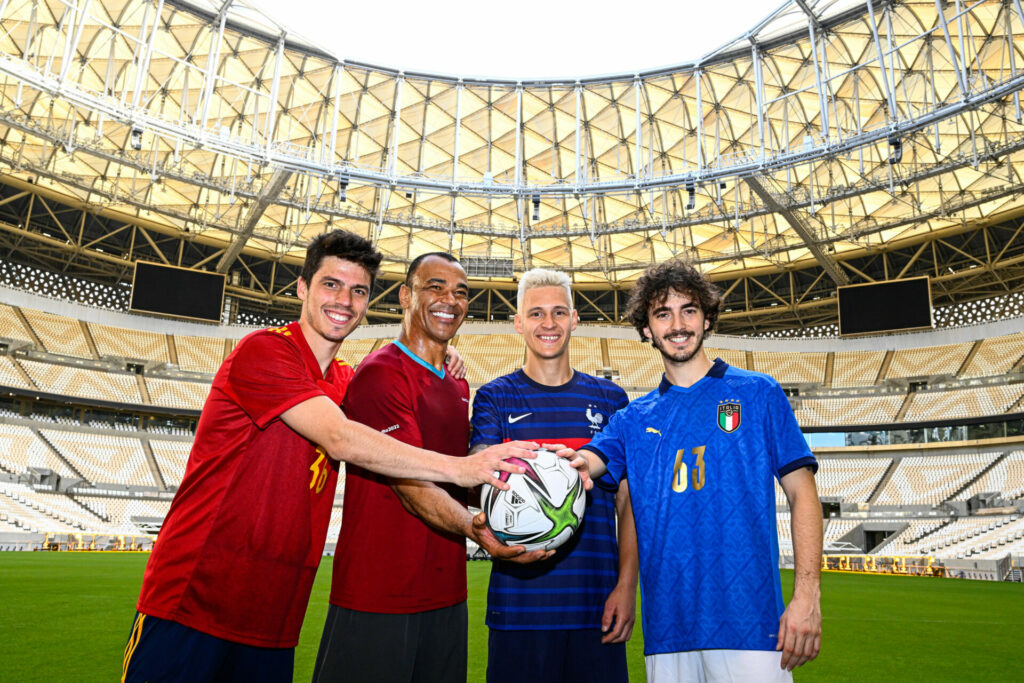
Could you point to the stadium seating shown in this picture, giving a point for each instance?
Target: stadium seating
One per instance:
(852, 410)
(930, 360)
(638, 364)
(958, 403)
(996, 356)
(59, 335)
(199, 354)
(21, 448)
(353, 351)
(174, 393)
(120, 512)
(1007, 477)
(585, 353)
(931, 479)
(851, 479)
(837, 528)
(9, 375)
(43, 511)
(489, 356)
(737, 359)
(103, 458)
(856, 368)
(791, 368)
(135, 344)
(11, 326)
(972, 536)
(171, 458)
(83, 382)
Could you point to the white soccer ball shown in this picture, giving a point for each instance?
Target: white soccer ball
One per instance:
(543, 507)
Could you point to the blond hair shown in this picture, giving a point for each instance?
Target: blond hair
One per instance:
(539, 277)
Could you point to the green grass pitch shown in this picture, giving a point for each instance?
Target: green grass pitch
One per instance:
(66, 616)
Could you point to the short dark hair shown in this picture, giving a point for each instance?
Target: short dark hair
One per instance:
(676, 275)
(345, 245)
(414, 266)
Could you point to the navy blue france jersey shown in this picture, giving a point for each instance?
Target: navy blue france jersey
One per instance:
(701, 463)
(569, 590)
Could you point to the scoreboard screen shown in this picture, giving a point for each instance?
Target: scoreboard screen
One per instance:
(891, 306)
(177, 292)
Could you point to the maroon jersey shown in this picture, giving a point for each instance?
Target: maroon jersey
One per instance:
(241, 544)
(389, 561)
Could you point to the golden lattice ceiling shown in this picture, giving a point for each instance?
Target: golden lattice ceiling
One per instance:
(599, 176)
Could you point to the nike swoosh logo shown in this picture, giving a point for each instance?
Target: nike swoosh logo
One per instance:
(513, 420)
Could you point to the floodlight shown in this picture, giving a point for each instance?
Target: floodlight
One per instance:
(691, 191)
(536, 206)
(896, 150)
(135, 139)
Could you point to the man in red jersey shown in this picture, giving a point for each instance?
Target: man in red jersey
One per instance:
(226, 588)
(398, 595)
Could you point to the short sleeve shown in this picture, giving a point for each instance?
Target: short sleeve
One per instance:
(788, 447)
(268, 376)
(486, 422)
(379, 398)
(610, 445)
(619, 398)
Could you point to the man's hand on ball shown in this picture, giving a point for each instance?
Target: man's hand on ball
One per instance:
(485, 538)
(481, 468)
(575, 460)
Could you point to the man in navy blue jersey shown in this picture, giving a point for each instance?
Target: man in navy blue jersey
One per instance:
(574, 611)
(702, 453)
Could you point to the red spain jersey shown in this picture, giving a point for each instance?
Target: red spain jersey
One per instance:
(389, 561)
(238, 552)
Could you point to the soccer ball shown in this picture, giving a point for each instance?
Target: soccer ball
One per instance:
(543, 507)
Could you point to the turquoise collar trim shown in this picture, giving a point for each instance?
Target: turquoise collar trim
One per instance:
(428, 366)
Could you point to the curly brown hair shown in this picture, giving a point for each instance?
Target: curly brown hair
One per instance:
(676, 275)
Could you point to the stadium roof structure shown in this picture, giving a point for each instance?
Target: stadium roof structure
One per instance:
(833, 142)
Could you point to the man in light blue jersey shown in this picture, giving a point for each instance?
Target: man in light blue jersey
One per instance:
(702, 453)
(574, 611)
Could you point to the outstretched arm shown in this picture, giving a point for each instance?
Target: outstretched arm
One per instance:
(434, 506)
(322, 422)
(620, 607)
(800, 626)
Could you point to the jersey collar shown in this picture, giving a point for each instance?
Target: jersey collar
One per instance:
(405, 349)
(544, 387)
(717, 371)
(307, 353)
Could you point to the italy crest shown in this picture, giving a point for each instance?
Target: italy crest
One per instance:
(729, 416)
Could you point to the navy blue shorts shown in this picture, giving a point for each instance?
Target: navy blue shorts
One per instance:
(160, 650)
(568, 656)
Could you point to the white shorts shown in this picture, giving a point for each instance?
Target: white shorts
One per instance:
(717, 666)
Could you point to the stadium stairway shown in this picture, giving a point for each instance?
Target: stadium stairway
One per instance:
(929, 532)
(886, 476)
(154, 468)
(978, 476)
(60, 456)
(88, 508)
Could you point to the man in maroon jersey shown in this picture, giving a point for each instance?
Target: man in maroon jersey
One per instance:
(226, 588)
(398, 595)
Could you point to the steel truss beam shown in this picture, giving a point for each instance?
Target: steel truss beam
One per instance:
(800, 224)
(271, 191)
(970, 263)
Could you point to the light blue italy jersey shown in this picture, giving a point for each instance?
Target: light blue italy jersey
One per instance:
(701, 463)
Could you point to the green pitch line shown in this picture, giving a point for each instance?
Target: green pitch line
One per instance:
(66, 617)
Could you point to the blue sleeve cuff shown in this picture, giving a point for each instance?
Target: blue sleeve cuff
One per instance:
(595, 451)
(806, 461)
